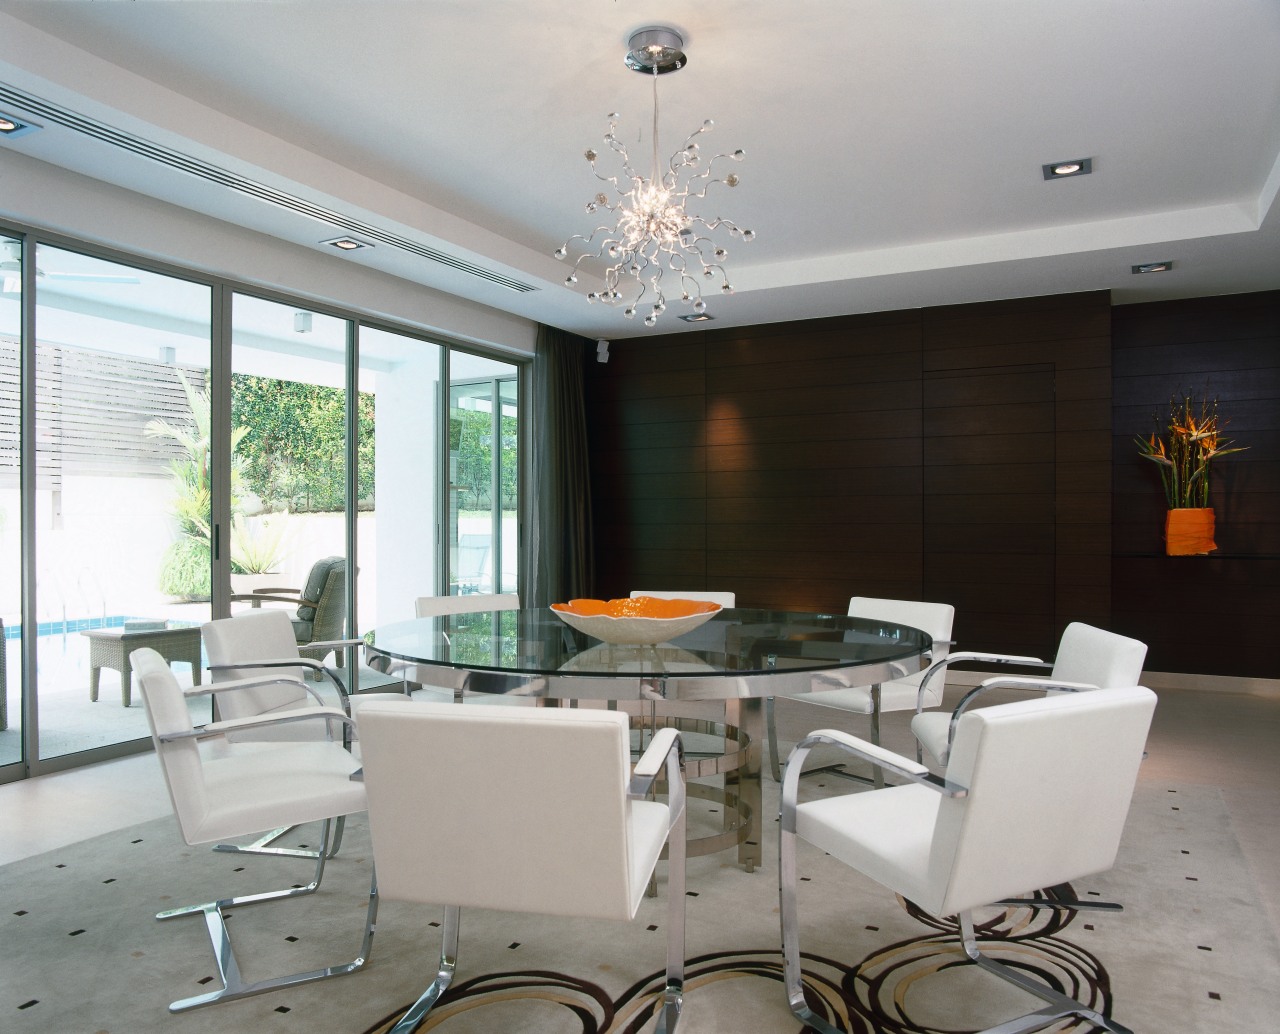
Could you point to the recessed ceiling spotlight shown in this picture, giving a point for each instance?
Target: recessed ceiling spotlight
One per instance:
(1152, 267)
(11, 126)
(1072, 167)
(347, 244)
(696, 317)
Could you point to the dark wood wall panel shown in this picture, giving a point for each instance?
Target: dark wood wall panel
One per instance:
(979, 454)
(1016, 468)
(872, 455)
(1228, 348)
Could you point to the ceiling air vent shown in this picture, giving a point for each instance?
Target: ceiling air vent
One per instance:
(53, 113)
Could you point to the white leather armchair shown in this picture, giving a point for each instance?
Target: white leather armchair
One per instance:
(245, 789)
(1088, 658)
(258, 672)
(902, 693)
(551, 822)
(440, 688)
(991, 828)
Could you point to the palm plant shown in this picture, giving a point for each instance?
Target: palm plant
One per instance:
(1185, 448)
(185, 568)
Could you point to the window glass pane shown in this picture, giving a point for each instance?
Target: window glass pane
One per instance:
(289, 467)
(122, 526)
(11, 746)
(483, 463)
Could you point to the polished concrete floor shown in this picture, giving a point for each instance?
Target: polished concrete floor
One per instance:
(1230, 741)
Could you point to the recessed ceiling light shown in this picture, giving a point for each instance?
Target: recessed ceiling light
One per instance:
(696, 317)
(347, 244)
(1152, 267)
(11, 125)
(1071, 167)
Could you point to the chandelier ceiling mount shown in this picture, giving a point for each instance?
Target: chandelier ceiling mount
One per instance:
(655, 232)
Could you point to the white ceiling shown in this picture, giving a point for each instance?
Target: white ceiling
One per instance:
(893, 147)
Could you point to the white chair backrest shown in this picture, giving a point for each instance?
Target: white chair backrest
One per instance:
(437, 606)
(256, 635)
(1050, 780)
(1098, 658)
(935, 619)
(167, 714)
(725, 599)
(519, 809)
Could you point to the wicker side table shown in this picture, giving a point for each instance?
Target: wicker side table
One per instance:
(110, 648)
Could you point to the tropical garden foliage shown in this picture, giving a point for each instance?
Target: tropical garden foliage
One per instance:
(289, 454)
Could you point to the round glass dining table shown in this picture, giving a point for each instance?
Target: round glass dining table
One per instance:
(736, 659)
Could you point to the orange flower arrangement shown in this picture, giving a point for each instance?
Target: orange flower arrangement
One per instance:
(1189, 444)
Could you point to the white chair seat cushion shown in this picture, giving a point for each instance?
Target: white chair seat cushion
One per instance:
(931, 729)
(896, 695)
(308, 781)
(885, 834)
(649, 822)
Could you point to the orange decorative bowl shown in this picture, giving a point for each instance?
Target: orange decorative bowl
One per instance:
(640, 621)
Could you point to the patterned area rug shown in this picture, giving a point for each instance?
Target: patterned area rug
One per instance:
(80, 950)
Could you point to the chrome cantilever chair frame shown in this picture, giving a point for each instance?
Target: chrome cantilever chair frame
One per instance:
(972, 657)
(663, 760)
(936, 619)
(284, 663)
(262, 844)
(1087, 658)
(1059, 896)
(1058, 1005)
(234, 985)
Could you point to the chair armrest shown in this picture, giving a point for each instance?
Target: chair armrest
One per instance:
(332, 644)
(217, 729)
(655, 756)
(1007, 682)
(664, 753)
(1027, 682)
(886, 759)
(276, 596)
(981, 658)
(252, 683)
(293, 662)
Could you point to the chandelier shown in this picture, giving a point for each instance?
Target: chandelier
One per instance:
(654, 232)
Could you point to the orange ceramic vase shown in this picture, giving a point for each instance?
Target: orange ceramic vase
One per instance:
(1189, 532)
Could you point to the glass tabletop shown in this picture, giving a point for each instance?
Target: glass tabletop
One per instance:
(741, 643)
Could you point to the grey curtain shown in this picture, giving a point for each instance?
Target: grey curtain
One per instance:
(559, 563)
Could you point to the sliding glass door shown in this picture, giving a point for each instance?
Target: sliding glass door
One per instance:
(121, 507)
(483, 466)
(173, 450)
(11, 739)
